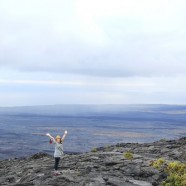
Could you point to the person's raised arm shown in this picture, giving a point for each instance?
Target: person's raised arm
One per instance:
(51, 137)
(64, 135)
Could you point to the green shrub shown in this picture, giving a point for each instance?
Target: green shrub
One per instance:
(94, 150)
(158, 164)
(128, 155)
(176, 174)
(175, 170)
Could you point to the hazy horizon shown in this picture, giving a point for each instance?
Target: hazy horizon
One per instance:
(88, 126)
(94, 109)
(94, 104)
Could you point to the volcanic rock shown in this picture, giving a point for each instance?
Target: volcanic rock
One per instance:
(103, 167)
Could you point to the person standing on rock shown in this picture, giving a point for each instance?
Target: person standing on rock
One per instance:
(58, 141)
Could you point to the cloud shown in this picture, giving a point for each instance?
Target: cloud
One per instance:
(81, 51)
(97, 38)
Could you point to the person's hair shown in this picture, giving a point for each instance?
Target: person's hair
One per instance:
(58, 137)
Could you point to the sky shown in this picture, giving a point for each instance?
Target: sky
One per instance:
(92, 52)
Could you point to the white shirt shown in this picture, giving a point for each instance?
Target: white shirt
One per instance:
(58, 150)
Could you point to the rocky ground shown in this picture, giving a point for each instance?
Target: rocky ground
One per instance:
(101, 167)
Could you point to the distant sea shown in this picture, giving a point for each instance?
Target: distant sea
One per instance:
(88, 126)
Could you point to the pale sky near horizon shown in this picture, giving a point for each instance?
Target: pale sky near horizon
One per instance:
(90, 51)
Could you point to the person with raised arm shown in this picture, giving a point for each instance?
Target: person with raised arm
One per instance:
(58, 141)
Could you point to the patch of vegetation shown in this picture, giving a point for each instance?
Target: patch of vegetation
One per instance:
(158, 164)
(128, 155)
(119, 149)
(175, 170)
(176, 174)
(78, 172)
(94, 150)
(163, 140)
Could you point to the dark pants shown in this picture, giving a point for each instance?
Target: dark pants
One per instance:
(56, 163)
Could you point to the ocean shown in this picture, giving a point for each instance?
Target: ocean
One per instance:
(88, 126)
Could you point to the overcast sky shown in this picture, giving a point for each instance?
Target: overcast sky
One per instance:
(92, 51)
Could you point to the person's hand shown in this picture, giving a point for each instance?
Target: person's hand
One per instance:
(66, 132)
(47, 134)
